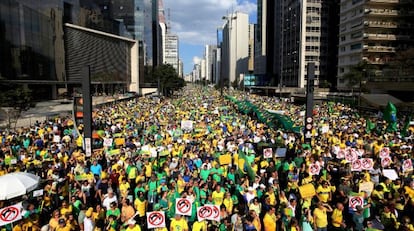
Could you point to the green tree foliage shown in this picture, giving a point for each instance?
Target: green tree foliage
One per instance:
(14, 95)
(357, 74)
(169, 79)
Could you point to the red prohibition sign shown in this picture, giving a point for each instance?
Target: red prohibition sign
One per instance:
(216, 212)
(204, 212)
(184, 205)
(366, 163)
(155, 218)
(9, 214)
(356, 201)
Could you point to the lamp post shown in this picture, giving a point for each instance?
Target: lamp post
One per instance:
(229, 19)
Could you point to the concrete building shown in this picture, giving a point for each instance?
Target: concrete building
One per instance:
(373, 31)
(267, 42)
(308, 34)
(235, 48)
(43, 43)
(171, 55)
(209, 57)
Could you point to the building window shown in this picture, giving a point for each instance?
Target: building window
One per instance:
(342, 38)
(356, 35)
(356, 46)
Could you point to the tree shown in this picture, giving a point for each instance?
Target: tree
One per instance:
(17, 97)
(357, 74)
(169, 80)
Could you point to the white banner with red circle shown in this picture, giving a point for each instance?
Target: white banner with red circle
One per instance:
(314, 169)
(351, 155)
(356, 165)
(384, 152)
(183, 206)
(267, 153)
(407, 165)
(208, 212)
(11, 214)
(386, 161)
(367, 163)
(354, 201)
(156, 219)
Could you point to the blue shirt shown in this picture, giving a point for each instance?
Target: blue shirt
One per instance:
(96, 169)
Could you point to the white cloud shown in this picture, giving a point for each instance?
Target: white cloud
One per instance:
(196, 21)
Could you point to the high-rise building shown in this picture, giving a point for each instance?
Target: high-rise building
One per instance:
(266, 42)
(141, 19)
(49, 42)
(307, 34)
(209, 57)
(373, 31)
(235, 48)
(171, 51)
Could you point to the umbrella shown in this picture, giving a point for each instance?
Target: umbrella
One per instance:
(17, 184)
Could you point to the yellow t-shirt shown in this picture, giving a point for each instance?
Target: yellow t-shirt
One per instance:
(140, 206)
(217, 198)
(337, 218)
(269, 222)
(135, 228)
(178, 225)
(123, 188)
(321, 220)
(228, 202)
(199, 226)
(323, 193)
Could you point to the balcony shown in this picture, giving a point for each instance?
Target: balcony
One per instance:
(380, 24)
(381, 12)
(384, 37)
(383, 1)
(381, 49)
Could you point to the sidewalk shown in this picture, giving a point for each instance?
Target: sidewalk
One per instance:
(48, 109)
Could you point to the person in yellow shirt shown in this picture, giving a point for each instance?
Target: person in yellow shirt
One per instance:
(132, 226)
(324, 192)
(337, 217)
(178, 224)
(270, 220)
(218, 196)
(228, 202)
(124, 188)
(320, 216)
(66, 209)
(200, 225)
(141, 205)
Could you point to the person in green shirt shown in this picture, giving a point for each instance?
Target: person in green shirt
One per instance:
(114, 210)
(204, 173)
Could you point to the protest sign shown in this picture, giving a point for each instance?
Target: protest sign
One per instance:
(155, 219)
(267, 153)
(11, 214)
(183, 206)
(307, 190)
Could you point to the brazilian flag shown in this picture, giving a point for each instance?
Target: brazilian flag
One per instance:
(247, 168)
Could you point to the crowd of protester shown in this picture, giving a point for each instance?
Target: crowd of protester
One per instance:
(143, 160)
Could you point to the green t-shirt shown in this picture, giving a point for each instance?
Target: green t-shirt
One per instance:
(204, 173)
(115, 212)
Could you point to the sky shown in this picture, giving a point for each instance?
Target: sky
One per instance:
(196, 22)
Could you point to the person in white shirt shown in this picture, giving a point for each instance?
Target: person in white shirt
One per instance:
(109, 198)
(88, 224)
